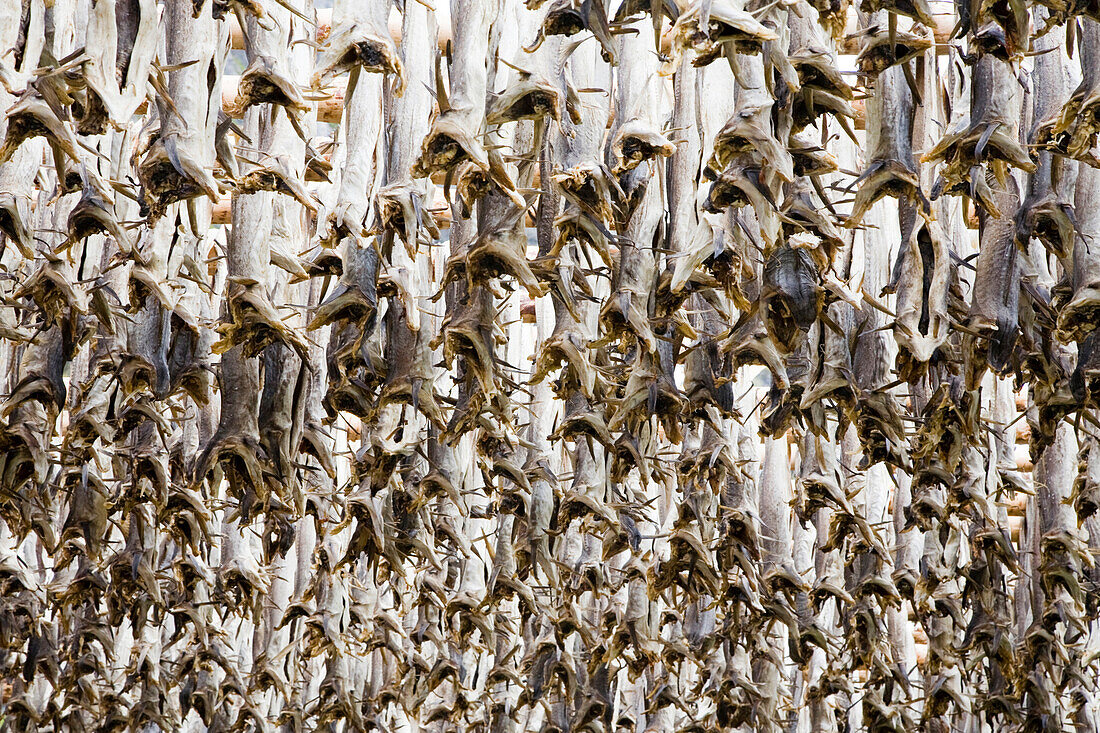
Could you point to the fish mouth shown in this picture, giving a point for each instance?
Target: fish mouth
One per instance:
(709, 41)
(573, 225)
(534, 103)
(1081, 316)
(878, 56)
(816, 70)
(813, 163)
(253, 325)
(260, 90)
(444, 151)
(1050, 222)
(164, 180)
(347, 397)
(918, 10)
(584, 191)
(587, 187)
(1073, 131)
(374, 56)
(784, 325)
(164, 186)
(992, 41)
(736, 187)
(23, 127)
(636, 148)
(91, 114)
(575, 427)
(724, 195)
(805, 112)
(883, 178)
(473, 184)
(86, 222)
(351, 310)
(503, 254)
(563, 22)
(393, 215)
(11, 222)
(366, 47)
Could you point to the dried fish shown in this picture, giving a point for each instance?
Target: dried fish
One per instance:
(995, 302)
(714, 27)
(791, 296)
(882, 49)
(569, 17)
(987, 136)
(359, 37)
(918, 10)
(174, 163)
(277, 472)
(1079, 316)
(923, 277)
(891, 169)
(1074, 130)
(458, 123)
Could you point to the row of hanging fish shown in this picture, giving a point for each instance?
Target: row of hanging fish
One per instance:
(642, 365)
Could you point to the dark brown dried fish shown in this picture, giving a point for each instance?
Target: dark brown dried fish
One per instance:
(1074, 130)
(569, 17)
(262, 83)
(994, 306)
(1081, 315)
(987, 137)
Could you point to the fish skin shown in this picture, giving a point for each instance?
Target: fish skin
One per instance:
(986, 141)
(995, 302)
(1074, 129)
(922, 280)
(791, 296)
(1079, 316)
(360, 37)
(459, 122)
(891, 169)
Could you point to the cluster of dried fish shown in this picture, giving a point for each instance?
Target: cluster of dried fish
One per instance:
(650, 366)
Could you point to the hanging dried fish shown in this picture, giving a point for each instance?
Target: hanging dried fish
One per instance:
(1079, 316)
(173, 161)
(994, 306)
(918, 10)
(882, 49)
(1073, 131)
(922, 279)
(891, 169)
(277, 472)
(359, 36)
(987, 137)
(719, 27)
(1047, 210)
(791, 296)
